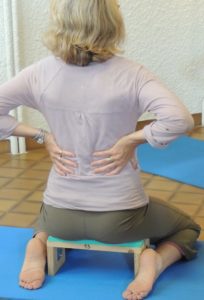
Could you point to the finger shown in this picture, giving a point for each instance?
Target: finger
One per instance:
(102, 153)
(115, 171)
(63, 153)
(59, 156)
(59, 171)
(67, 162)
(64, 173)
(68, 154)
(133, 163)
(57, 152)
(63, 168)
(103, 162)
(105, 169)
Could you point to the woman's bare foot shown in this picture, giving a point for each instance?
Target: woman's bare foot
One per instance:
(33, 271)
(149, 269)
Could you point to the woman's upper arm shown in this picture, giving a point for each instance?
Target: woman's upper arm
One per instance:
(172, 118)
(20, 90)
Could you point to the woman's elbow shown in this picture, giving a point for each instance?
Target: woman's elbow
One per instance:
(187, 123)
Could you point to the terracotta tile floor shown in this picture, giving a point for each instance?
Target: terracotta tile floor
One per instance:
(23, 177)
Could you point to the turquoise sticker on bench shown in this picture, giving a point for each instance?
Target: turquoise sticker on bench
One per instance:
(137, 244)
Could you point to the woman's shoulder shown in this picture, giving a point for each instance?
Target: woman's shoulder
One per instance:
(46, 64)
(49, 63)
(130, 68)
(40, 73)
(43, 69)
(126, 65)
(122, 60)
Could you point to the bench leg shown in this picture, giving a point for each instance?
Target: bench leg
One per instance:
(55, 259)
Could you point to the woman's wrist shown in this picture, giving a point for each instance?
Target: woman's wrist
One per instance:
(37, 134)
(136, 138)
(49, 139)
(41, 136)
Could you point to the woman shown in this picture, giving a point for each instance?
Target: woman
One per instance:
(92, 99)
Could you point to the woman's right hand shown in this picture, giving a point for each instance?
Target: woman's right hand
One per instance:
(61, 159)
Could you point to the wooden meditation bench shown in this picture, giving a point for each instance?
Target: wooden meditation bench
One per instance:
(56, 250)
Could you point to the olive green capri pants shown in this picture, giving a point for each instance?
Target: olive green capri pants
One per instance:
(157, 221)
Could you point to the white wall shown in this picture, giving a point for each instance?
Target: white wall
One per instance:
(168, 37)
(3, 73)
(165, 35)
(33, 22)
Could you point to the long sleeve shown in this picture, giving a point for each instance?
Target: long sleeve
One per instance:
(172, 118)
(15, 92)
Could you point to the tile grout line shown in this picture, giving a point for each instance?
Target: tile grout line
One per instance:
(29, 194)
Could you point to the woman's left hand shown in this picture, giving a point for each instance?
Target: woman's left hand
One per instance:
(62, 159)
(113, 160)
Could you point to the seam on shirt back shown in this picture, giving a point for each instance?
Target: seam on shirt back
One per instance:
(49, 83)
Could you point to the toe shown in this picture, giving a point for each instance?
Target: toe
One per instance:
(31, 285)
(139, 296)
(37, 284)
(142, 295)
(130, 297)
(135, 297)
(127, 293)
(28, 286)
(22, 283)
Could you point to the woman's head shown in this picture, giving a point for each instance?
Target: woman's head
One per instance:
(82, 31)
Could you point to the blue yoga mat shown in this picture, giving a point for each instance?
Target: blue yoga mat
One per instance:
(93, 275)
(182, 160)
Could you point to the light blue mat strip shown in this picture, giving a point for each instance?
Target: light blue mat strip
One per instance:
(182, 160)
(137, 244)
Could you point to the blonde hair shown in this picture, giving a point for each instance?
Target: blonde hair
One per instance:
(82, 31)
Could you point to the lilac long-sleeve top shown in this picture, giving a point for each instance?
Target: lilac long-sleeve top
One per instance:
(89, 109)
